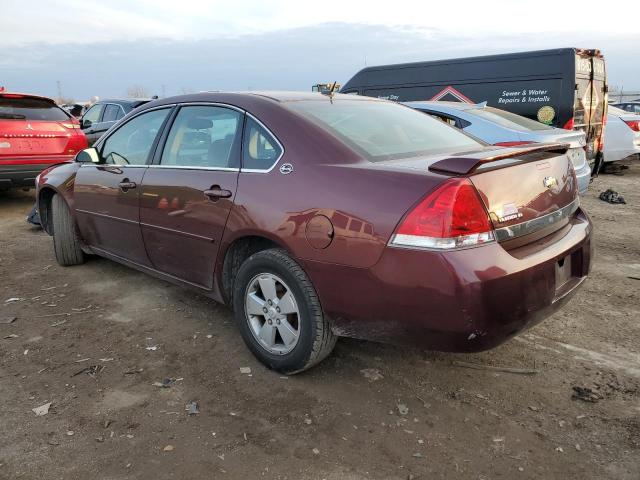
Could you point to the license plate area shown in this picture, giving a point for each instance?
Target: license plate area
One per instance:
(563, 271)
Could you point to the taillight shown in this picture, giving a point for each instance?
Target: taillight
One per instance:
(633, 125)
(70, 125)
(569, 124)
(510, 144)
(452, 216)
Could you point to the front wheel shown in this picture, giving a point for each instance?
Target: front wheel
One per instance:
(65, 238)
(279, 314)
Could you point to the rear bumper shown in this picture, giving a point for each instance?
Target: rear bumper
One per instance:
(467, 300)
(14, 174)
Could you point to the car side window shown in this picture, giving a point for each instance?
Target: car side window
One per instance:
(203, 136)
(131, 143)
(120, 113)
(110, 113)
(260, 151)
(93, 114)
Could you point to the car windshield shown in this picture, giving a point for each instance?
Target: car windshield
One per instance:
(25, 108)
(507, 119)
(384, 130)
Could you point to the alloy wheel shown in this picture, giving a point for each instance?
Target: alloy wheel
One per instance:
(272, 313)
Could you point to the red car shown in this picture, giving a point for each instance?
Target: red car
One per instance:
(320, 216)
(34, 134)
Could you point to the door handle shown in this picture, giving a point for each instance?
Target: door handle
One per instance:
(127, 185)
(215, 192)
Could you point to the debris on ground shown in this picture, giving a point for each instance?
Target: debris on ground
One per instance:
(477, 366)
(152, 348)
(91, 370)
(70, 433)
(134, 371)
(585, 394)
(316, 451)
(245, 370)
(11, 335)
(13, 299)
(403, 409)
(372, 374)
(192, 408)
(611, 196)
(166, 383)
(41, 410)
(7, 320)
(168, 448)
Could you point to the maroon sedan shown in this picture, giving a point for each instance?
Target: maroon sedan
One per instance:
(316, 217)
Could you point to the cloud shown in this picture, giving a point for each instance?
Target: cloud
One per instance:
(285, 59)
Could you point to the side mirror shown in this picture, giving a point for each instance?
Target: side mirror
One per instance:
(88, 155)
(85, 123)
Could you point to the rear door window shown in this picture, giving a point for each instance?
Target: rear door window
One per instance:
(203, 136)
(24, 108)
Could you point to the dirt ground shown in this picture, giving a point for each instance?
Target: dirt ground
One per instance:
(93, 339)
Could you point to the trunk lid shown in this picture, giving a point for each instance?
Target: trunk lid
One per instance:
(527, 191)
(26, 138)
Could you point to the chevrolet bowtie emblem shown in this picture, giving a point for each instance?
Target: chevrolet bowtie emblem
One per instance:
(549, 182)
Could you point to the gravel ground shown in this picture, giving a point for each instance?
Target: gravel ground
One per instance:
(92, 340)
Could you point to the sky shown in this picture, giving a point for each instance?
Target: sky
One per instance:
(105, 48)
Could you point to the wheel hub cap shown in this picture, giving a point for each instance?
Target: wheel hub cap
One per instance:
(272, 313)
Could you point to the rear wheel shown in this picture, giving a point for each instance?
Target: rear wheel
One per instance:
(65, 238)
(279, 314)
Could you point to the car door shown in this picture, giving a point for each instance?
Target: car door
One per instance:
(89, 120)
(188, 192)
(107, 194)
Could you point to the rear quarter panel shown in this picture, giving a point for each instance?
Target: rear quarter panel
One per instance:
(364, 202)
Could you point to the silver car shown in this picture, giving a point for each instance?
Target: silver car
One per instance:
(499, 127)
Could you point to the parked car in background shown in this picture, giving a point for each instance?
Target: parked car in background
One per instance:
(499, 127)
(103, 114)
(34, 134)
(394, 226)
(563, 87)
(631, 107)
(622, 135)
(74, 109)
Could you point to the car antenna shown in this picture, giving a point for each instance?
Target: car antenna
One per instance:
(332, 90)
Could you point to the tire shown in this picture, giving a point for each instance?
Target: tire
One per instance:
(65, 238)
(315, 340)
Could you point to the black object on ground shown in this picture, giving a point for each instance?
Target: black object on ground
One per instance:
(611, 196)
(34, 217)
(585, 394)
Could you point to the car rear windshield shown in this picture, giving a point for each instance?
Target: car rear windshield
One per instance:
(508, 119)
(384, 130)
(25, 108)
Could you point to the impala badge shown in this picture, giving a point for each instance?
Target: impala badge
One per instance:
(286, 168)
(550, 182)
(510, 211)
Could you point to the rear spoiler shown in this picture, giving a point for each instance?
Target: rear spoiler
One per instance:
(466, 165)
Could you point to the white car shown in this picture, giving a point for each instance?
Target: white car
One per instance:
(499, 127)
(621, 135)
